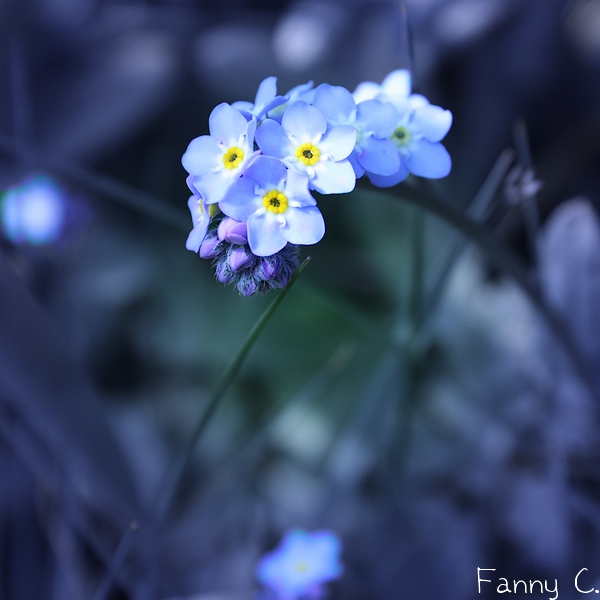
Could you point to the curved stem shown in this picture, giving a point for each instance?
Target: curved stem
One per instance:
(164, 503)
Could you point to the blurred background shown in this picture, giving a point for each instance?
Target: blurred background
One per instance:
(407, 394)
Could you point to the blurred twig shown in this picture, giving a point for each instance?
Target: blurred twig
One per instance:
(116, 563)
(529, 205)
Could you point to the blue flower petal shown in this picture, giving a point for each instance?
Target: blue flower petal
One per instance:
(417, 100)
(389, 180)
(306, 123)
(227, 124)
(212, 186)
(428, 159)
(296, 188)
(267, 90)
(202, 155)
(266, 97)
(379, 156)
(335, 102)
(195, 238)
(338, 142)
(264, 233)
(269, 172)
(303, 225)
(272, 139)
(303, 92)
(333, 177)
(367, 90)
(200, 221)
(194, 204)
(358, 170)
(277, 101)
(189, 180)
(240, 201)
(379, 117)
(432, 121)
(244, 107)
(397, 84)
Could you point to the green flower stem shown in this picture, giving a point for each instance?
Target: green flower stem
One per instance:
(165, 501)
(505, 260)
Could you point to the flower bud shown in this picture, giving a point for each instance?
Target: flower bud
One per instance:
(247, 287)
(223, 272)
(233, 231)
(268, 268)
(208, 247)
(239, 258)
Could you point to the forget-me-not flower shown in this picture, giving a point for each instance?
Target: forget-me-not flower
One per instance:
(374, 122)
(276, 203)
(301, 564)
(310, 139)
(396, 85)
(304, 141)
(418, 131)
(215, 161)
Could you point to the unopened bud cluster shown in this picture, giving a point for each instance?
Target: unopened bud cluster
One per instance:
(227, 245)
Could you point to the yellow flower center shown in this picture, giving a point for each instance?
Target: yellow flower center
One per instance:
(201, 208)
(401, 136)
(275, 202)
(213, 209)
(233, 157)
(308, 154)
(301, 567)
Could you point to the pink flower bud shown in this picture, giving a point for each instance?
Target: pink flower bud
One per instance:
(233, 231)
(208, 247)
(240, 258)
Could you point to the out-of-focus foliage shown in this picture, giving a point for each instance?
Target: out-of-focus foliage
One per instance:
(432, 437)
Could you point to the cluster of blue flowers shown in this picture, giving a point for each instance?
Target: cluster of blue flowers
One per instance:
(251, 178)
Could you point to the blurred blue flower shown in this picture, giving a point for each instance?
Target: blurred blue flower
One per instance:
(374, 122)
(304, 141)
(266, 99)
(301, 564)
(215, 161)
(417, 133)
(395, 87)
(34, 212)
(276, 204)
